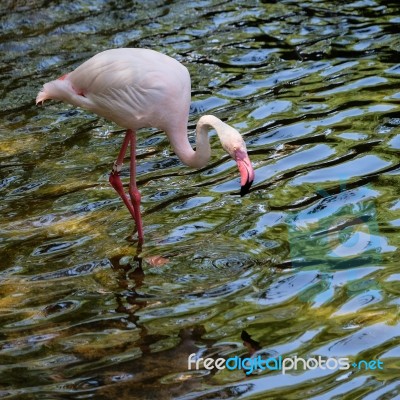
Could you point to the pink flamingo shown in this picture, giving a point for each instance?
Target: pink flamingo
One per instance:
(138, 88)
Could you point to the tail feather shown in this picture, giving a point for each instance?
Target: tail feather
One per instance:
(41, 97)
(60, 89)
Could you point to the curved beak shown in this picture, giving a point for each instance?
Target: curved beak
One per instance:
(246, 171)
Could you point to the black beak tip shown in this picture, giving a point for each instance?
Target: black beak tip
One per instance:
(245, 188)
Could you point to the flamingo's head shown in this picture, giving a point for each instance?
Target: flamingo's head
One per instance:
(234, 144)
(245, 169)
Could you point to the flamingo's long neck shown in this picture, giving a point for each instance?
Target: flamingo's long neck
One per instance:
(198, 158)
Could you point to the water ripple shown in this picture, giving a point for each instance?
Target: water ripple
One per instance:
(306, 263)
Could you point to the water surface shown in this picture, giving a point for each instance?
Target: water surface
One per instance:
(307, 263)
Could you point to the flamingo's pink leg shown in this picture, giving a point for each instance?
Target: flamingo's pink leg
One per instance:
(115, 181)
(133, 190)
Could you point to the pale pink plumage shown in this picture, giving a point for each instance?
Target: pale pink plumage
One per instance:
(138, 88)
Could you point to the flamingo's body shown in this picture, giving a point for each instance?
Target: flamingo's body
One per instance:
(138, 88)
